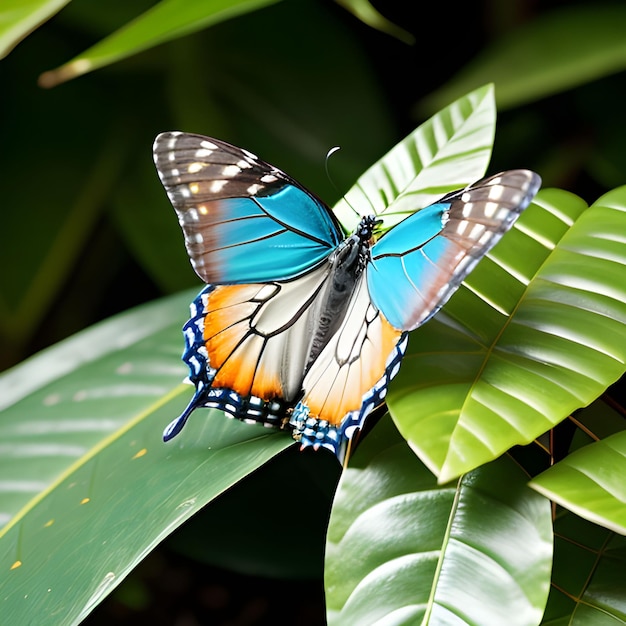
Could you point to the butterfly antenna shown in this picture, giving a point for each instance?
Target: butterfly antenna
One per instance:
(330, 178)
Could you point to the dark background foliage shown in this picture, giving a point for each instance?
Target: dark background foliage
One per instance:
(88, 232)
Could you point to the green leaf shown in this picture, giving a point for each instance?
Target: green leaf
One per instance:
(551, 53)
(66, 215)
(449, 151)
(590, 482)
(402, 550)
(367, 13)
(538, 330)
(167, 20)
(88, 487)
(18, 18)
(234, 515)
(589, 586)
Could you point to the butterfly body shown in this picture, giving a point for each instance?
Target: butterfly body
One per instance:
(300, 327)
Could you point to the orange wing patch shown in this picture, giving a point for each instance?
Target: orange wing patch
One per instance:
(223, 343)
(351, 364)
(234, 348)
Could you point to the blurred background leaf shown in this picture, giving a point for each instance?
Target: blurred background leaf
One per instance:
(18, 18)
(562, 49)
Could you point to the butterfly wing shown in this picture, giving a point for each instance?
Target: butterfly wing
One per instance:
(417, 265)
(349, 378)
(247, 348)
(244, 220)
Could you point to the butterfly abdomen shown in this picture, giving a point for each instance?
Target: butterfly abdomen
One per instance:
(346, 266)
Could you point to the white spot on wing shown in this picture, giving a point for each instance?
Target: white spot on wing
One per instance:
(217, 185)
(195, 167)
(230, 171)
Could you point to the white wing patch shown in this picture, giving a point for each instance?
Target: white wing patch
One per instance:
(352, 362)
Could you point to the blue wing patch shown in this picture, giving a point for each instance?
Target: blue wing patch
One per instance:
(243, 219)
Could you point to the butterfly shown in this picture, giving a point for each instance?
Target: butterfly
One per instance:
(301, 326)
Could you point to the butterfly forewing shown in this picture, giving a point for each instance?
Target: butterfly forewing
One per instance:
(243, 219)
(431, 252)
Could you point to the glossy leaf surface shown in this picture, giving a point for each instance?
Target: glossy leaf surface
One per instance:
(588, 582)
(86, 478)
(447, 152)
(537, 330)
(590, 482)
(403, 550)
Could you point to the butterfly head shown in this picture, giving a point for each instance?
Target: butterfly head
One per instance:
(367, 226)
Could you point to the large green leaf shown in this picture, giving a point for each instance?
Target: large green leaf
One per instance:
(448, 151)
(165, 21)
(589, 586)
(18, 18)
(402, 550)
(538, 330)
(88, 487)
(591, 482)
(554, 52)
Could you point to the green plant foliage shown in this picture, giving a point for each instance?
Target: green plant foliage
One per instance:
(40, 269)
(530, 338)
(403, 550)
(588, 582)
(87, 488)
(90, 183)
(167, 20)
(367, 13)
(590, 482)
(560, 50)
(20, 17)
(87, 480)
(447, 152)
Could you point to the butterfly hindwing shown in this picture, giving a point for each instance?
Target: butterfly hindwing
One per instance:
(430, 253)
(243, 219)
(248, 346)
